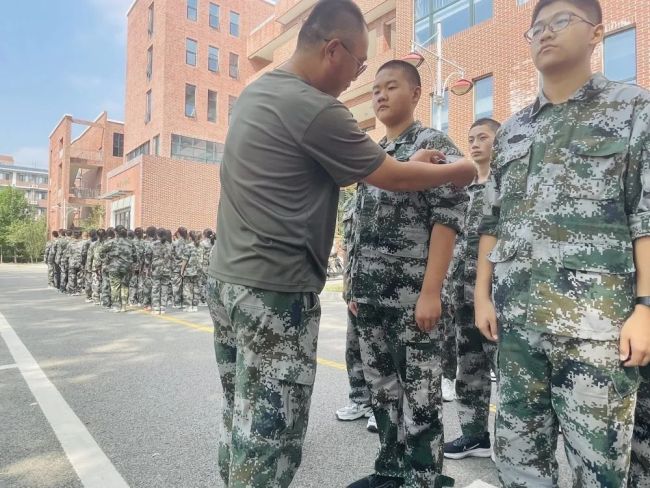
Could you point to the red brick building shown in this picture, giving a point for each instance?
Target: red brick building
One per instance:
(188, 61)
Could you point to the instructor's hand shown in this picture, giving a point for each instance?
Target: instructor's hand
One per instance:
(635, 338)
(354, 308)
(485, 317)
(428, 156)
(428, 311)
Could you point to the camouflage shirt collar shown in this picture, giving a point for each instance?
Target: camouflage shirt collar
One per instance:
(589, 90)
(407, 137)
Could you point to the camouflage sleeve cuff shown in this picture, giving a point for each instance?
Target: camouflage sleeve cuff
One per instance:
(488, 225)
(639, 225)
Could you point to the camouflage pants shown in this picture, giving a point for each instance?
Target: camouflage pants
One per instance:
(63, 281)
(146, 289)
(402, 367)
(57, 276)
(640, 465)
(265, 345)
(203, 286)
(105, 290)
(476, 356)
(191, 291)
(359, 392)
(449, 298)
(135, 288)
(88, 285)
(97, 285)
(548, 381)
(75, 279)
(159, 292)
(50, 274)
(177, 289)
(119, 289)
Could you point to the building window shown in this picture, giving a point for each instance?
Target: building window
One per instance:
(41, 180)
(156, 145)
(149, 63)
(234, 24)
(213, 59)
(214, 15)
(147, 110)
(234, 66)
(619, 56)
(23, 178)
(118, 145)
(4, 176)
(231, 106)
(483, 97)
(198, 150)
(122, 217)
(190, 52)
(212, 106)
(141, 149)
(190, 100)
(150, 21)
(192, 9)
(389, 33)
(453, 15)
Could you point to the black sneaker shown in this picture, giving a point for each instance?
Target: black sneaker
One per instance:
(377, 481)
(464, 446)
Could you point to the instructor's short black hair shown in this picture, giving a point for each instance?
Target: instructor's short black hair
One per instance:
(592, 9)
(330, 17)
(410, 71)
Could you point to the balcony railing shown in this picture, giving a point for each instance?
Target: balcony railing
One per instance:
(85, 192)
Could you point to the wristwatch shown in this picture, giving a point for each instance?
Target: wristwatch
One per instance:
(643, 301)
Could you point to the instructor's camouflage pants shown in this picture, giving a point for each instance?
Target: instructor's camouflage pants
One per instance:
(476, 356)
(359, 391)
(401, 365)
(265, 345)
(640, 466)
(548, 381)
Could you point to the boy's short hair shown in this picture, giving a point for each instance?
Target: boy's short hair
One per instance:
(592, 9)
(491, 123)
(410, 71)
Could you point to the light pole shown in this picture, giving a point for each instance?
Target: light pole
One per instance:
(462, 85)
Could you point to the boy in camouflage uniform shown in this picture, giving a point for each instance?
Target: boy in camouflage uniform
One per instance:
(97, 267)
(48, 258)
(403, 247)
(88, 266)
(190, 273)
(105, 283)
(159, 255)
(476, 354)
(146, 266)
(207, 244)
(359, 396)
(135, 284)
(61, 260)
(75, 275)
(568, 226)
(120, 255)
(178, 248)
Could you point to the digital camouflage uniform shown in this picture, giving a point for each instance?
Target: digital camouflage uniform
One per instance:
(640, 465)
(61, 262)
(476, 354)
(75, 274)
(49, 251)
(206, 250)
(401, 364)
(359, 392)
(135, 283)
(105, 283)
(88, 269)
(450, 299)
(85, 277)
(146, 272)
(119, 254)
(160, 257)
(97, 273)
(569, 193)
(191, 290)
(178, 250)
(273, 336)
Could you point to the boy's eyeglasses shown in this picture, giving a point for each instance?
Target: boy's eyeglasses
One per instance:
(558, 23)
(361, 66)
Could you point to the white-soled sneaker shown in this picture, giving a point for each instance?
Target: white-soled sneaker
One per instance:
(372, 424)
(448, 390)
(353, 411)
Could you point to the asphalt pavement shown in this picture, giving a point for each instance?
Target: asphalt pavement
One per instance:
(95, 399)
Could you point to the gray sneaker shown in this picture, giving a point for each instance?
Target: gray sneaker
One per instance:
(353, 411)
(372, 424)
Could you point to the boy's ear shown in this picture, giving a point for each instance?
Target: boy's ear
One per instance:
(417, 94)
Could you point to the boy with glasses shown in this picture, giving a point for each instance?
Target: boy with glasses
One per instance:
(564, 261)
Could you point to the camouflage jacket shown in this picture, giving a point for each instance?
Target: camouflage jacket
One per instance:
(61, 246)
(206, 249)
(90, 254)
(178, 251)
(568, 195)
(138, 244)
(118, 255)
(192, 255)
(348, 222)
(74, 255)
(97, 255)
(392, 231)
(147, 248)
(161, 259)
(49, 251)
(84, 251)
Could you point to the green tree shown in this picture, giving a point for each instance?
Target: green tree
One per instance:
(95, 220)
(29, 238)
(14, 208)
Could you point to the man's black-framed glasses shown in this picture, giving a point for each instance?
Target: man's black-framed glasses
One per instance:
(361, 66)
(558, 22)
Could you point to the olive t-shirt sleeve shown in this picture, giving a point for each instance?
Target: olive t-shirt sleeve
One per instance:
(336, 142)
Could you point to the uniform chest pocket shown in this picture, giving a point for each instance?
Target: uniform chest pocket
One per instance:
(512, 170)
(595, 169)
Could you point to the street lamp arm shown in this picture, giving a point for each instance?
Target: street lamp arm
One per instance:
(415, 46)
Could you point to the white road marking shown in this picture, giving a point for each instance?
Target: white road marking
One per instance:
(8, 366)
(94, 469)
(480, 484)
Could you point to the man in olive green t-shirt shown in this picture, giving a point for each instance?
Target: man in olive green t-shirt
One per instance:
(290, 147)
